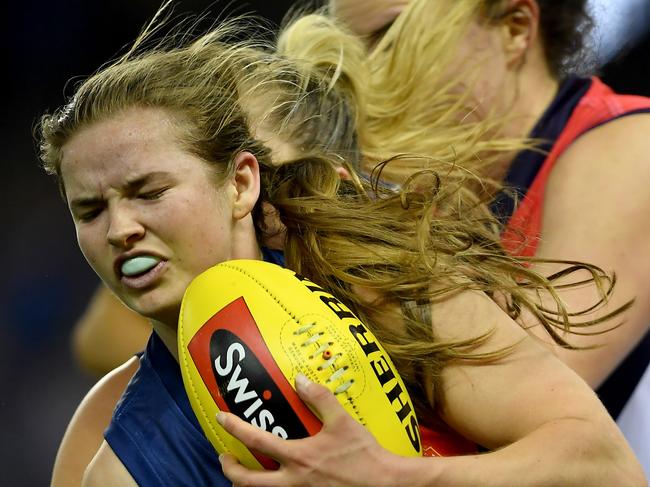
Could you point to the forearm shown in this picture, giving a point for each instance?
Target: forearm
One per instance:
(566, 452)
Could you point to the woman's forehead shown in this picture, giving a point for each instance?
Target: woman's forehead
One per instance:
(136, 129)
(126, 146)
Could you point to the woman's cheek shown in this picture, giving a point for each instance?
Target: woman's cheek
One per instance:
(90, 247)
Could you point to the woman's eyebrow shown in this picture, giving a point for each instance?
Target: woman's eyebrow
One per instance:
(130, 186)
(79, 203)
(139, 181)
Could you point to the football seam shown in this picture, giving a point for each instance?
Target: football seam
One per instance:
(350, 400)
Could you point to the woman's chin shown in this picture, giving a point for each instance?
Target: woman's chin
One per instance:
(166, 315)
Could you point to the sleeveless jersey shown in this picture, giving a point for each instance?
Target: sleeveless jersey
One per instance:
(580, 105)
(154, 432)
(157, 437)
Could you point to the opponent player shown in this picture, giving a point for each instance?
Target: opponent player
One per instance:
(581, 197)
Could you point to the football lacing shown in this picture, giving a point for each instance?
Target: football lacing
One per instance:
(304, 328)
(330, 361)
(323, 350)
(343, 387)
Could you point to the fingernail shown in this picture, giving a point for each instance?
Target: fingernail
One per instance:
(221, 418)
(302, 382)
(221, 457)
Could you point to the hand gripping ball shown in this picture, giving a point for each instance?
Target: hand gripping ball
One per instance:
(247, 328)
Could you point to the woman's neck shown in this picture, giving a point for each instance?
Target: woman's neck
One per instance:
(536, 93)
(168, 335)
(534, 90)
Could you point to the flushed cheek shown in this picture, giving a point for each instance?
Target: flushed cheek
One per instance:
(200, 236)
(205, 248)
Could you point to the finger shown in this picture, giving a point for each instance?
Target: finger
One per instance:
(240, 475)
(320, 398)
(253, 437)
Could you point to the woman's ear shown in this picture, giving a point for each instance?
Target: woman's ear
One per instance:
(519, 30)
(246, 184)
(343, 173)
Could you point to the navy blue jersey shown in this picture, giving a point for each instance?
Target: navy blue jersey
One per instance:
(154, 432)
(525, 166)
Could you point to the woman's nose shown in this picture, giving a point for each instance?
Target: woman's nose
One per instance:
(124, 227)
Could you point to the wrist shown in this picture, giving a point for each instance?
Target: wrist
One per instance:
(414, 471)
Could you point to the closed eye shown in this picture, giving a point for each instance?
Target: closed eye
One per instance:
(152, 195)
(86, 209)
(88, 215)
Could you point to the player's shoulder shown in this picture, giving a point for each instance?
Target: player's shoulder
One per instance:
(597, 192)
(605, 164)
(85, 432)
(621, 142)
(99, 402)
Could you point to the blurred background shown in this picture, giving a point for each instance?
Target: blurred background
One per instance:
(45, 280)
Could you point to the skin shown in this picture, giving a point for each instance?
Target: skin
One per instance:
(108, 334)
(619, 151)
(595, 167)
(99, 161)
(84, 434)
(366, 18)
(126, 196)
(519, 66)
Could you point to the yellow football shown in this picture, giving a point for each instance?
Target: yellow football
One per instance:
(247, 328)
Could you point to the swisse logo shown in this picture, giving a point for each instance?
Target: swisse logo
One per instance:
(248, 390)
(241, 375)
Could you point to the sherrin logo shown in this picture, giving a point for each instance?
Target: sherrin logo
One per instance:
(248, 327)
(378, 360)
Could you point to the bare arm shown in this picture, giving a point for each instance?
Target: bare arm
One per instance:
(108, 333)
(543, 423)
(85, 433)
(597, 209)
(107, 469)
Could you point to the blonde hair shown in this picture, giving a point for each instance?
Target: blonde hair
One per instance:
(409, 103)
(225, 91)
(420, 94)
(419, 97)
(340, 234)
